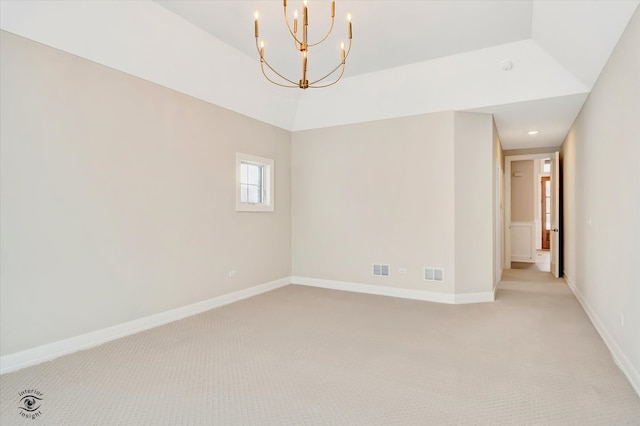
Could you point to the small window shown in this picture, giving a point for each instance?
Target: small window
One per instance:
(254, 183)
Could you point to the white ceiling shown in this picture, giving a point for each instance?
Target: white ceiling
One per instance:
(408, 57)
(387, 33)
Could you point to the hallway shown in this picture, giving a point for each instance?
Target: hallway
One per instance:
(542, 263)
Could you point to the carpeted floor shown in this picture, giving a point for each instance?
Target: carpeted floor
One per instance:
(302, 355)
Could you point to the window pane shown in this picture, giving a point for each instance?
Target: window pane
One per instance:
(251, 183)
(243, 172)
(547, 188)
(547, 222)
(255, 174)
(254, 194)
(250, 194)
(243, 193)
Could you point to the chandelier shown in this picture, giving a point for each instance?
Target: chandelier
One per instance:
(302, 44)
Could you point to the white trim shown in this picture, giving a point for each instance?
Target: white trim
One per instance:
(404, 293)
(507, 196)
(29, 357)
(530, 256)
(480, 297)
(617, 354)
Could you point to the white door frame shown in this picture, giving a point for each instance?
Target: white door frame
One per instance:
(507, 196)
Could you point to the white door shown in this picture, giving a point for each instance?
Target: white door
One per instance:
(555, 214)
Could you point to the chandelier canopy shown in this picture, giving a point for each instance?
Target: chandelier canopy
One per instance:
(302, 44)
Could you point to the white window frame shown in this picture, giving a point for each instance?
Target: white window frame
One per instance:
(267, 164)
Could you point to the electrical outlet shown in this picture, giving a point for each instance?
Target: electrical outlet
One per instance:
(402, 270)
(621, 319)
(232, 273)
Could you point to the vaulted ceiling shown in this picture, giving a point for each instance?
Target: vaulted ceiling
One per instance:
(408, 57)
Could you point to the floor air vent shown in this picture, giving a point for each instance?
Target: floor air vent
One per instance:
(434, 274)
(380, 270)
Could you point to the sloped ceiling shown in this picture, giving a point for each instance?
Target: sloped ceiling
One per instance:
(408, 57)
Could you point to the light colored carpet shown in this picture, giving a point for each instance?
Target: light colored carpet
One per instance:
(301, 355)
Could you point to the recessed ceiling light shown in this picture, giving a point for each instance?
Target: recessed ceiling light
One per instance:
(533, 132)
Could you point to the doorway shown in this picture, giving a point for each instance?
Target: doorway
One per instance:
(521, 239)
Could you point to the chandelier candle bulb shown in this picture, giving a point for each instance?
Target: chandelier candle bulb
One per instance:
(295, 22)
(333, 9)
(256, 22)
(305, 24)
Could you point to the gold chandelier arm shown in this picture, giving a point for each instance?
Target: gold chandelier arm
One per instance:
(327, 35)
(286, 20)
(299, 42)
(275, 82)
(341, 64)
(263, 62)
(332, 83)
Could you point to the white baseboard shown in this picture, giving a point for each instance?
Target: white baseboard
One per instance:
(404, 293)
(29, 357)
(480, 297)
(618, 355)
(522, 259)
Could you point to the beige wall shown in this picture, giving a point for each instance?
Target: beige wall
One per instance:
(474, 222)
(498, 205)
(377, 192)
(522, 191)
(411, 192)
(118, 198)
(601, 181)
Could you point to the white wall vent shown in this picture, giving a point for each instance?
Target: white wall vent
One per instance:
(434, 274)
(381, 270)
